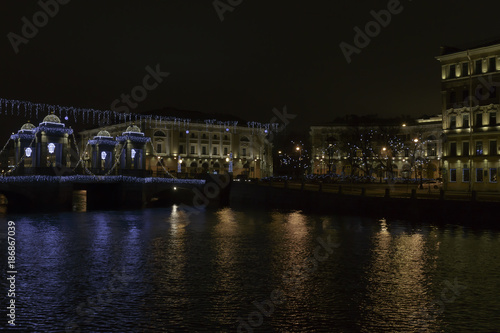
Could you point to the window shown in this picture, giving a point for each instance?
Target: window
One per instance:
(431, 149)
(479, 175)
(493, 92)
(215, 136)
(225, 150)
(193, 150)
(204, 136)
(203, 150)
(215, 150)
(453, 149)
(192, 136)
(158, 148)
(479, 67)
(465, 95)
(181, 149)
(492, 66)
(479, 148)
(493, 147)
(465, 120)
(453, 97)
(407, 152)
(465, 69)
(244, 152)
(493, 118)
(453, 71)
(479, 119)
(466, 175)
(181, 135)
(453, 175)
(453, 122)
(493, 175)
(465, 148)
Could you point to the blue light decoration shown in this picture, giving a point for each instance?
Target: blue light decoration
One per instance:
(133, 153)
(52, 148)
(28, 152)
(98, 179)
(230, 162)
(187, 131)
(179, 166)
(103, 155)
(34, 110)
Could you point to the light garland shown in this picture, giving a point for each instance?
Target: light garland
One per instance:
(156, 154)
(97, 179)
(98, 117)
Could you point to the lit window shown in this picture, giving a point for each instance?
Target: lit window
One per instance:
(493, 175)
(52, 148)
(479, 148)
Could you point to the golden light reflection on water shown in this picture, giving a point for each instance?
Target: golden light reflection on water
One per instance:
(169, 261)
(293, 244)
(3, 205)
(398, 286)
(80, 201)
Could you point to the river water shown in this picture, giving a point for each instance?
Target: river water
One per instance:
(228, 270)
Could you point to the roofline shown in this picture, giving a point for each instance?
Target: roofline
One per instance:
(471, 51)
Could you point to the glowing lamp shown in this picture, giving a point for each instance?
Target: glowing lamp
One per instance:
(133, 153)
(52, 148)
(28, 152)
(103, 155)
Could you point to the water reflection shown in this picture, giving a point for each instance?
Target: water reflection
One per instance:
(3, 205)
(398, 283)
(201, 272)
(80, 201)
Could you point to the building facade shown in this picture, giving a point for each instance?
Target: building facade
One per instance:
(470, 106)
(379, 148)
(190, 150)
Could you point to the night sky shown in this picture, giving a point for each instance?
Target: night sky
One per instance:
(264, 55)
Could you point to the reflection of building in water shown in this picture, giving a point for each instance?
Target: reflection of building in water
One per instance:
(38, 150)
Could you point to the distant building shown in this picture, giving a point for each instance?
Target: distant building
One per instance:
(470, 105)
(186, 150)
(413, 146)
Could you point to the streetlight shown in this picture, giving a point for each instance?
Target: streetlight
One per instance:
(420, 164)
(300, 159)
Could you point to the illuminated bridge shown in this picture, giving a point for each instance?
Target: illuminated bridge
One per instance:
(51, 193)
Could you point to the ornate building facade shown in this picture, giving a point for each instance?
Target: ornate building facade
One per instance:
(187, 150)
(470, 106)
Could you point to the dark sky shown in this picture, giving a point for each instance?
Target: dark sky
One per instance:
(264, 55)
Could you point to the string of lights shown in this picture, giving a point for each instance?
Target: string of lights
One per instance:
(98, 117)
(163, 166)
